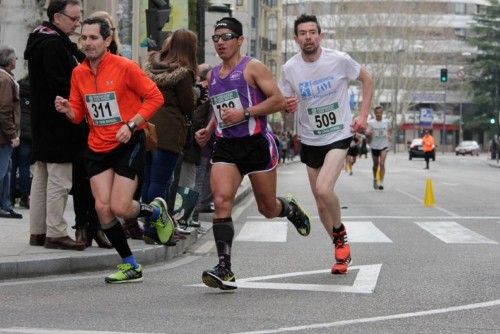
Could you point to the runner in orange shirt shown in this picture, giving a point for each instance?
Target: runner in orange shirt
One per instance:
(116, 98)
(427, 147)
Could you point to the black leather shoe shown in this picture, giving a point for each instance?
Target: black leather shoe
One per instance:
(10, 214)
(63, 243)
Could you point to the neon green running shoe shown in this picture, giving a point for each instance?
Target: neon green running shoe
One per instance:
(299, 218)
(164, 225)
(125, 274)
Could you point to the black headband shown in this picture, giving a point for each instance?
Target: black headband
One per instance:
(231, 25)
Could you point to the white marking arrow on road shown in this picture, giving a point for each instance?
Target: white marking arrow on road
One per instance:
(365, 281)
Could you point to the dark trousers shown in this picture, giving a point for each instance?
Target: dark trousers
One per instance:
(427, 157)
(83, 200)
(21, 161)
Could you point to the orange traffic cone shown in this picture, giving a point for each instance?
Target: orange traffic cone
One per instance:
(429, 194)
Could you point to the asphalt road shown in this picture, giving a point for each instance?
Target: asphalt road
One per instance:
(416, 269)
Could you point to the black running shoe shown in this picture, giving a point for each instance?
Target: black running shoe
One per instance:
(299, 218)
(219, 277)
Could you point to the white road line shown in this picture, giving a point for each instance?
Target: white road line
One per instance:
(364, 231)
(205, 247)
(263, 231)
(340, 323)
(420, 200)
(365, 281)
(399, 217)
(453, 233)
(26, 330)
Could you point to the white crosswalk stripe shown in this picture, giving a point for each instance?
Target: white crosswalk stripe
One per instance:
(263, 231)
(364, 231)
(449, 232)
(453, 233)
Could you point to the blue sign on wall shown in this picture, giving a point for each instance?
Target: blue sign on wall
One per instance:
(425, 117)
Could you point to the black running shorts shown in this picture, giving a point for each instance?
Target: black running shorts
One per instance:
(126, 160)
(314, 156)
(249, 154)
(376, 152)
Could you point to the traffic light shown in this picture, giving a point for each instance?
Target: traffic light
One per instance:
(492, 120)
(157, 15)
(444, 75)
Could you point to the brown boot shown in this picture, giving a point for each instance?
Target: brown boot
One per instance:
(81, 236)
(101, 239)
(37, 239)
(132, 229)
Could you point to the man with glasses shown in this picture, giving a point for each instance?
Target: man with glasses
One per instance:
(242, 93)
(51, 58)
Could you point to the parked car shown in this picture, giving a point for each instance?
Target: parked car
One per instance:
(415, 150)
(468, 147)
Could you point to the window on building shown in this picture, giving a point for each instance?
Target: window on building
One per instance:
(253, 48)
(239, 2)
(272, 30)
(461, 33)
(460, 9)
(472, 9)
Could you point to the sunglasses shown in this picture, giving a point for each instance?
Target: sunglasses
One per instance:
(72, 18)
(225, 37)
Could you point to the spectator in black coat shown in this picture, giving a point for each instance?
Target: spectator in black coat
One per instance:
(51, 58)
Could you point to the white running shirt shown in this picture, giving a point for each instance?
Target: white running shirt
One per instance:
(321, 87)
(380, 134)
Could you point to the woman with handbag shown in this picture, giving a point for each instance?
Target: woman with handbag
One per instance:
(173, 69)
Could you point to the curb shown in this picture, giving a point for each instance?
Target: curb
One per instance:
(71, 264)
(94, 259)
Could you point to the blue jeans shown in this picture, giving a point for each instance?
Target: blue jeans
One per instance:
(21, 159)
(160, 165)
(5, 167)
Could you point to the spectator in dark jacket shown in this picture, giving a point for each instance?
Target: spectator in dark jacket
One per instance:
(21, 156)
(10, 115)
(51, 58)
(173, 69)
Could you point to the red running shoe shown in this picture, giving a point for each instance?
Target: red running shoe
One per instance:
(342, 253)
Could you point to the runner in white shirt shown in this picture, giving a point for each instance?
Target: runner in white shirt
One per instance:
(380, 132)
(315, 83)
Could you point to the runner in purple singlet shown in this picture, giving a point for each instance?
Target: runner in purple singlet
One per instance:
(242, 93)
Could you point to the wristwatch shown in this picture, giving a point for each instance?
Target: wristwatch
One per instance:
(131, 126)
(246, 114)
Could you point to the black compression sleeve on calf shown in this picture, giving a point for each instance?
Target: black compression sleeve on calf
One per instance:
(145, 210)
(116, 236)
(223, 229)
(286, 208)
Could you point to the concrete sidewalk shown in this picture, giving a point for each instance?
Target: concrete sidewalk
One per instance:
(19, 259)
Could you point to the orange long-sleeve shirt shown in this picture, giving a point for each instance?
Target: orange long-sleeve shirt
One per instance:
(427, 143)
(110, 98)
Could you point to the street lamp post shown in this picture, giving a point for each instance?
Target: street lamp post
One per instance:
(444, 122)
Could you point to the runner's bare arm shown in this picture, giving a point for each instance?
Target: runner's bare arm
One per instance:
(258, 75)
(359, 123)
